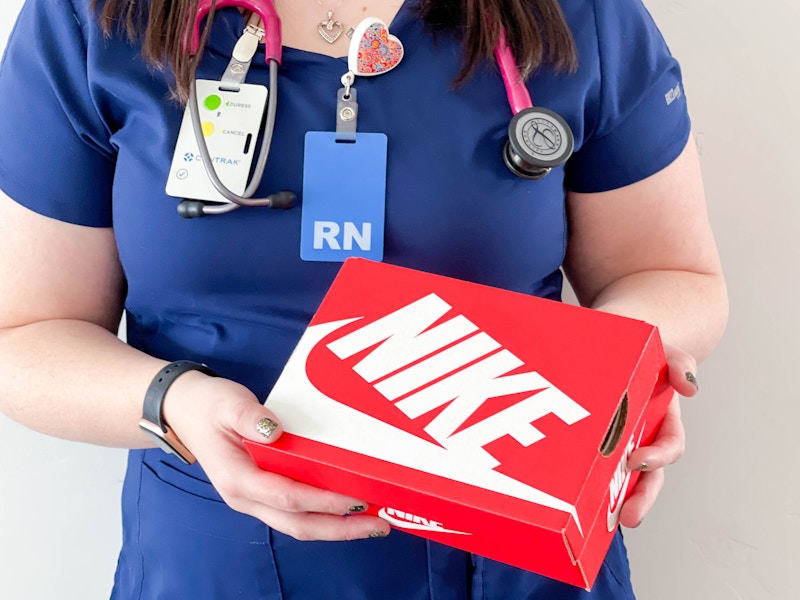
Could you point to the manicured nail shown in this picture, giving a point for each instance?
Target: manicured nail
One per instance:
(357, 508)
(266, 427)
(642, 466)
(691, 379)
(377, 534)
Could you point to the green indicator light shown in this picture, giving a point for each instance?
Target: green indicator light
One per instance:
(213, 102)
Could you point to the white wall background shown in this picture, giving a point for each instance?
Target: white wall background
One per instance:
(728, 523)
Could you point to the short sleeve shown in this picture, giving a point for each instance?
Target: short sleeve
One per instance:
(55, 155)
(642, 123)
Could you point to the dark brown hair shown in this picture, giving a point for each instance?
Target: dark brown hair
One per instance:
(536, 30)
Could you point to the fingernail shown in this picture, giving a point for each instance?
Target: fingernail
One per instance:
(377, 534)
(691, 379)
(642, 466)
(357, 508)
(639, 524)
(266, 427)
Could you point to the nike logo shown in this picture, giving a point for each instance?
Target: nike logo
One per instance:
(613, 514)
(365, 434)
(617, 490)
(409, 521)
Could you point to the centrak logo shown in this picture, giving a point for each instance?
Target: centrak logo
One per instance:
(217, 160)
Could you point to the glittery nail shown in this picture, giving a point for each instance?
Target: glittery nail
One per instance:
(266, 427)
(357, 508)
(377, 534)
(691, 379)
(642, 466)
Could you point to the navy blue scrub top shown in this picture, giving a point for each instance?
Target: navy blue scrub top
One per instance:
(87, 132)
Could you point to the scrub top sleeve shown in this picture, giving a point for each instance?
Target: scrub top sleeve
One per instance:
(642, 123)
(55, 155)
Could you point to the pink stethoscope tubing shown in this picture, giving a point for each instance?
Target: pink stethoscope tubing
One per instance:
(518, 96)
(263, 8)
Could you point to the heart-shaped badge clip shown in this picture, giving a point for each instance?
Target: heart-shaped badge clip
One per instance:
(373, 50)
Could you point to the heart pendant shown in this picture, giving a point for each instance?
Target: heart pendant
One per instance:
(373, 51)
(330, 30)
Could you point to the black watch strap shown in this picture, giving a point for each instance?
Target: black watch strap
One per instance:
(152, 421)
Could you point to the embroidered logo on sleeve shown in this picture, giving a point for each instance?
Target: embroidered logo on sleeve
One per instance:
(673, 94)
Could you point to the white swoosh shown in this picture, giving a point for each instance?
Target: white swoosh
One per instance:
(306, 411)
(417, 526)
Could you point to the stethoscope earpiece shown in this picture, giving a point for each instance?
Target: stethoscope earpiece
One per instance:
(191, 209)
(538, 141)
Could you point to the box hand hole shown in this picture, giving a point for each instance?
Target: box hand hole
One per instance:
(617, 427)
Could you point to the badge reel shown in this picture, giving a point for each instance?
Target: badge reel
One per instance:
(344, 172)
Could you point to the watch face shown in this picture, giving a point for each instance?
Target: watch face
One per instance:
(541, 137)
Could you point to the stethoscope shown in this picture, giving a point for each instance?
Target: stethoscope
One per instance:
(539, 139)
(271, 25)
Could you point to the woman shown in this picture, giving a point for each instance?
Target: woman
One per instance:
(97, 234)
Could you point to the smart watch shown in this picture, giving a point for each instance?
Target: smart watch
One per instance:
(152, 421)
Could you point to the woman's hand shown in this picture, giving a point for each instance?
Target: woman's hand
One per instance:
(668, 445)
(211, 416)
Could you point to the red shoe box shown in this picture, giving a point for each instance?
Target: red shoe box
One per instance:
(487, 420)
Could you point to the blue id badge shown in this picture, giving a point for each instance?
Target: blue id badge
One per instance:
(344, 197)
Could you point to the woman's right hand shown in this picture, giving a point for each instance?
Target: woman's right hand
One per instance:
(211, 415)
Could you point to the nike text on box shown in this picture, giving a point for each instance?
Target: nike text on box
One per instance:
(484, 419)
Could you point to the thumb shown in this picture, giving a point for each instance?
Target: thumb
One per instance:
(682, 371)
(257, 423)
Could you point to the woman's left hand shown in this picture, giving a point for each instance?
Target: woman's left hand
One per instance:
(668, 445)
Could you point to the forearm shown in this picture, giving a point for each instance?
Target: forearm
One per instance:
(75, 380)
(690, 309)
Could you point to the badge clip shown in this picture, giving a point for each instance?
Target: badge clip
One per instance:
(347, 110)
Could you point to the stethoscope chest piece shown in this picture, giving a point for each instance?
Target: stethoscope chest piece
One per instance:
(538, 140)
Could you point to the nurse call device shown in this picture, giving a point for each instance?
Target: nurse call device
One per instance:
(263, 27)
